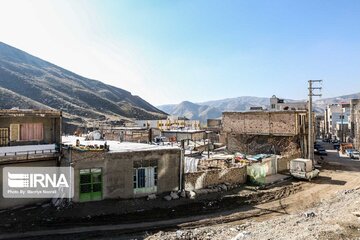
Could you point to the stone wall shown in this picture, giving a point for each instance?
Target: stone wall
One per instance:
(203, 179)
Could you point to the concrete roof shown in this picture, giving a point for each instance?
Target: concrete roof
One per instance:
(29, 112)
(116, 146)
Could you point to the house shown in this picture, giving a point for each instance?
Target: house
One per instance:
(277, 104)
(128, 134)
(355, 122)
(121, 170)
(28, 138)
(336, 114)
(272, 132)
(172, 122)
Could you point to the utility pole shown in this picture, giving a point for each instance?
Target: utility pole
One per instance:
(310, 118)
(342, 124)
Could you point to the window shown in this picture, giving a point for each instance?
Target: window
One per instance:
(31, 132)
(272, 106)
(90, 184)
(145, 179)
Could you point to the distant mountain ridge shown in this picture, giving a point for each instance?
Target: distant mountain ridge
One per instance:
(30, 82)
(238, 104)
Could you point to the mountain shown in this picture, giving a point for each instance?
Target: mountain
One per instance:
(213, 109)
(238, 104)
(30, 82)
(323, 102)
(195, 110)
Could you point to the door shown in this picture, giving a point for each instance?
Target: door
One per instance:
(4, 136)
(90, 184)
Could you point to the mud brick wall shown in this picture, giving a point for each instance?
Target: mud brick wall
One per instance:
(264, 123)
(255, 144)
(118, 170)
(203, 179)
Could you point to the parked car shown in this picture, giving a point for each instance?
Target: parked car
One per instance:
(317, 146)
(355, 154)
(336, 146)
(326, 140)
(321, 152)
(334, 141)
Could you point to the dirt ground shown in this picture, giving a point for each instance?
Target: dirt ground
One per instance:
(248, 212)
(326, 208)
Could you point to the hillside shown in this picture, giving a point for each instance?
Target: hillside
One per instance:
(194, 111)
(30, 82)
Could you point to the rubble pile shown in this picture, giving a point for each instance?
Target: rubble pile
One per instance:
(336, 218)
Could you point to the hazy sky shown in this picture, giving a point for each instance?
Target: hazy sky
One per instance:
(174, 50)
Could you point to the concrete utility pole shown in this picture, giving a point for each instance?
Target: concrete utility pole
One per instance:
(310, 118)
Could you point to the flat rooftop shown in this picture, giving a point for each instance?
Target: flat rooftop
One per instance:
(183, 131)
(116, 146)
(29, 112)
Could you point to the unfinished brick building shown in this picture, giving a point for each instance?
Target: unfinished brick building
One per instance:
(281, 132)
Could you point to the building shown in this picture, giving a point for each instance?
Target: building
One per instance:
(128, 134)
(172, 122)
(336, 114)
(275, 132)
(277, 104)
(28, 138)
(355, 122)
(319, 126)
(123, 170)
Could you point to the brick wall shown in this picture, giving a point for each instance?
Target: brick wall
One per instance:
(264, 123)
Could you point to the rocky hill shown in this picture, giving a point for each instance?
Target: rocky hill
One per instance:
(192, 111)
(214, 109)
(30, 82)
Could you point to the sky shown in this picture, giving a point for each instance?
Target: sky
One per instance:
(196, 50)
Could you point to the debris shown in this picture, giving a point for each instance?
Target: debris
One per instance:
(223, 187)
(183, 194)
(168, 198)
(309, 214)
(174, 195)
(191, 195)
(357, 214)
(151, 197)
(241, 235)
(46, 205)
